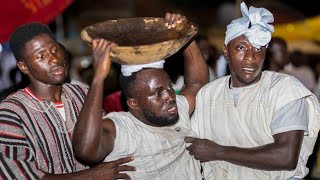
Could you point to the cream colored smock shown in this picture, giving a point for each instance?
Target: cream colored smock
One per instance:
(159, 152)
(251, 120)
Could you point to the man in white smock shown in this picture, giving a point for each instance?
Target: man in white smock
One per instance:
(253, 124)
(153, 130)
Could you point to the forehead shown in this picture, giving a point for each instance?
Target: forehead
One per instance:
(150, 79)
(40, 41)
(239, 39)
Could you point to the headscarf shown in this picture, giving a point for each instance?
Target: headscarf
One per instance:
(254, 25)
(127, 70)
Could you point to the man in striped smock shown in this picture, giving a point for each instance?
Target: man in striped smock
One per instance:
(255, 125)
(36, 123)
(154, 129)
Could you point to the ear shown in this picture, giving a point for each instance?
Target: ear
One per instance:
(23, 68)
(225, 52)
(132, 104)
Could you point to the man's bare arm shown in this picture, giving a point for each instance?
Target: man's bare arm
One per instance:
(282, 154)
(91, 141)
(196, 73)
(108, 171)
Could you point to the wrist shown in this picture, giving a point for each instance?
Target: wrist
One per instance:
(97, 79)
(221, 153)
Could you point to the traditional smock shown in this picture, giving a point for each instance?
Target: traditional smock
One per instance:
(250, 116)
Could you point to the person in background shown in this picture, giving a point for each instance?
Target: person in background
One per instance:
(299, 68)
(210, 54)
(253, 124)
(37, 122)
(277, 55)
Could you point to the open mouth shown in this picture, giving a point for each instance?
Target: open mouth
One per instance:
(57, 70)
(173, 109)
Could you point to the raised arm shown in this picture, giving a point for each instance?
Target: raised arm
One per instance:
(93, 138)
(196, 73)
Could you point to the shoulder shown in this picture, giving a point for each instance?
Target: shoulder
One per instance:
(76, 90)
(213, 86)
(285, 82)
(277, 78)
(14, 100)
(119, 118)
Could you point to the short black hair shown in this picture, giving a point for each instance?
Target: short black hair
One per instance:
(24, 34)
(127, 83)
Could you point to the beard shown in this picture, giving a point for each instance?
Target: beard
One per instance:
(160, 121)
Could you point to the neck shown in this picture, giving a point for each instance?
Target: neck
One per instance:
(47, 92)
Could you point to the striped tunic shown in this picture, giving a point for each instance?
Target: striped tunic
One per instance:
(34, 138)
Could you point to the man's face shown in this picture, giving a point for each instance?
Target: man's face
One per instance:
(44, 61)
(245, 61)
(156, 98)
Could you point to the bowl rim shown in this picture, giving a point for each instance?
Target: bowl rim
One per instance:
(86, 38)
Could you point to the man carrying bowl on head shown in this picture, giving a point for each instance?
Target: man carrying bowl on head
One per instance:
(154, 129)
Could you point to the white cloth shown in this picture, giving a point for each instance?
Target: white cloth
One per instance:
(127, 70)
(254, 121)
(254, 25)
(159, 152)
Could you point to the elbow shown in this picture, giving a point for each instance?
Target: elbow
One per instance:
(289, 164)
(85, 156)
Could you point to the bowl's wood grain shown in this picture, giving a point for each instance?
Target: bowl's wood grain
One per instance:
(140, 40)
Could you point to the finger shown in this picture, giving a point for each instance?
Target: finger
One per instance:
(189, 139)
(189, 148)
(100, 42)
(110, 45)
(122, 176)
(181, 19)
(104, 44)
(123, 160)
(167, 16)
(94, 43)
(191, 152)
(172, 19)
(126, 168)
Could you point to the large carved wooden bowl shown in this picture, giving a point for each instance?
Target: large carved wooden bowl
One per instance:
(140, 40)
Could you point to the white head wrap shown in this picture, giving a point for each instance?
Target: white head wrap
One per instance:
(127, 70)
(254, 25)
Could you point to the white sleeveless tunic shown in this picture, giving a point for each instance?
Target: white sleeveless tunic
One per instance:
(159, 152)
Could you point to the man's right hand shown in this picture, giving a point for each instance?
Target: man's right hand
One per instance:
(112, 170)
(101, 57)
(107, 171)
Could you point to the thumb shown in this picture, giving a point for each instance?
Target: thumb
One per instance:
(189, 139)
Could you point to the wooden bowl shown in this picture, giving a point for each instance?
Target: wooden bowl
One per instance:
(140, 40)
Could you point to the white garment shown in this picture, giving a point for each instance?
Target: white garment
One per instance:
(222, 66)
(128, 69)
(159, 152)
(254, 24)
(251, 122)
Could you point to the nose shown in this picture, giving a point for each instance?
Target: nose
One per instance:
(169, 95)
(53, 58)
(250, 54)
